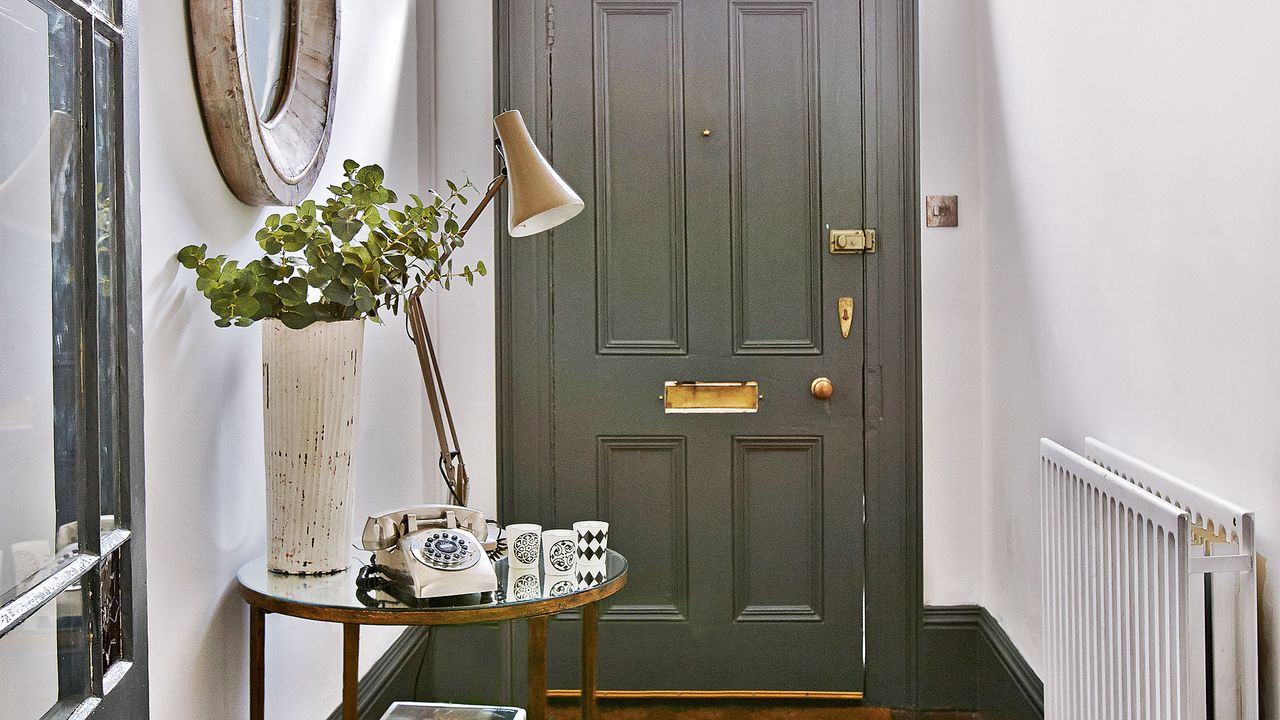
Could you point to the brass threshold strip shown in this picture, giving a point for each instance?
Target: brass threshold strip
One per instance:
(711, 694)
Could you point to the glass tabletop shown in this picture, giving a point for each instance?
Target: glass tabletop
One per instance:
(516, 586)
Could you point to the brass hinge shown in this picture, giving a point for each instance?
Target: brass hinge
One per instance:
(551, 25)
(842, 242)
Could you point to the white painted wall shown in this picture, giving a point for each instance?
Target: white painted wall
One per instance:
(951, 284)
(205, 493)
(1129, 160)
(463, 135)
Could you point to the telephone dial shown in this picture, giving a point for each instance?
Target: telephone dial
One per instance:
(432, 551)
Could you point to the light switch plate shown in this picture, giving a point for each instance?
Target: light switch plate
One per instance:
(941, 211)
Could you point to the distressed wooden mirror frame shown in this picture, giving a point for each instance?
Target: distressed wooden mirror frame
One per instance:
(274, 161)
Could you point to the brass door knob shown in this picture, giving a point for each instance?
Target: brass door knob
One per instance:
(822, 388)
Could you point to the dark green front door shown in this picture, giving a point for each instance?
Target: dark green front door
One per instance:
(713, 142)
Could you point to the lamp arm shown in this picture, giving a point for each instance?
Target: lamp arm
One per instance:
(452, 464)
(494, 186)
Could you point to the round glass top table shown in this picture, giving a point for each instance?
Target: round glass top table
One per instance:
(522, 594)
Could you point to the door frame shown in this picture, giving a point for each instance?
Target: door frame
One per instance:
(523, 37)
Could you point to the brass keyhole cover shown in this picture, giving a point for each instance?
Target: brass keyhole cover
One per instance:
(822, 388)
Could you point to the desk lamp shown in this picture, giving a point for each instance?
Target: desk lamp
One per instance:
(538, 201)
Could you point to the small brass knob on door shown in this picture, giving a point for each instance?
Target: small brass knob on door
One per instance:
(822, 388)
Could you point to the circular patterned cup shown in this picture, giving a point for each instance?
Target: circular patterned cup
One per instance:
(554, 586)
(524, 544)
(559, 551)
(523, 584)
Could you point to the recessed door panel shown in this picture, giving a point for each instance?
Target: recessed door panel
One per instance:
(649, 473)
(640, 241)
(777, 529)
(773, 100)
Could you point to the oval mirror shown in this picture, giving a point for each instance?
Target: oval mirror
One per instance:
(266, 73)
(268, 34)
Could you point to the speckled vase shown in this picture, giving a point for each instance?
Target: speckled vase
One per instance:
(311, 395)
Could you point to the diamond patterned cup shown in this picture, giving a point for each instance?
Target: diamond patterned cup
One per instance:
(589, 577)
(593, 542)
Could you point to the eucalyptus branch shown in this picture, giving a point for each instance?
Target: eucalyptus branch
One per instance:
(353, 257)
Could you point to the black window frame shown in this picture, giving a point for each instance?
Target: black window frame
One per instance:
(105, 568)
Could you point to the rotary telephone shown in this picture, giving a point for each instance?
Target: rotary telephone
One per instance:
(432, 551)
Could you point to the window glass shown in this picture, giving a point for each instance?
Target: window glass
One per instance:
(107, 215)
(109, 8)
(42, 661)
(39, 396)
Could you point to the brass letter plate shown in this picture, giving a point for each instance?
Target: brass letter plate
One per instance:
(711, 397)
(852, 241)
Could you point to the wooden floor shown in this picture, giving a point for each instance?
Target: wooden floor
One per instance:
(618, 710)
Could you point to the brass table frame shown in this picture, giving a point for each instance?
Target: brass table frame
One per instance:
(536, 612)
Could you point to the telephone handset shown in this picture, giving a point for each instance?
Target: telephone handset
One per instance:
(432, 550)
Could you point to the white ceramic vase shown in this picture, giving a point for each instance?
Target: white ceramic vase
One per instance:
(311, 395)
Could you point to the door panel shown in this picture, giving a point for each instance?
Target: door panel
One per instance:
(648, 472)
(698, 135)
(640, 240)
(779, 477)
(777, 260)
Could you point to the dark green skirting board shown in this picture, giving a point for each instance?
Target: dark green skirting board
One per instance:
(967, 663)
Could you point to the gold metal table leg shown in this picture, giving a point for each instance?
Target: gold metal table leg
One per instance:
(257, 663)
(350, 669)
(590, 622)
(538, 668)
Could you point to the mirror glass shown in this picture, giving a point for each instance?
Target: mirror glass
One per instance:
(268, 34)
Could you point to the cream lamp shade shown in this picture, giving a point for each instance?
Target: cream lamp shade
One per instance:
(539, 199)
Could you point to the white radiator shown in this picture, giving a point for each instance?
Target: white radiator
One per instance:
(1133, 629)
